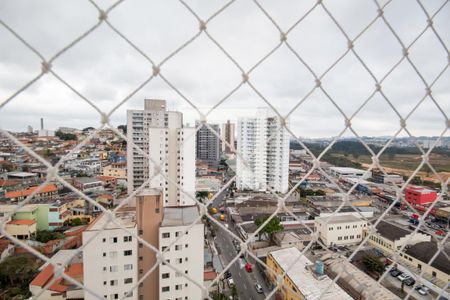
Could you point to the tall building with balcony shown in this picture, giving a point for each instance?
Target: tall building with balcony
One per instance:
(171, 150)
(228, 136)
(208, 144)
(110, 257)
(186, 254)
(263, 144)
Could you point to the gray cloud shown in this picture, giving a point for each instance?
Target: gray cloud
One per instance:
(106, 69)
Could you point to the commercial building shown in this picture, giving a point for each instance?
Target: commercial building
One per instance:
(303, 279)
(263, 144)
(208, 143)
(340, 230)
(349, 172)
(110, 257)
(419, 196)
(186, 254)
(418, 258)
(227, 135)
(358, 284)
(389, 238)
(171, 148)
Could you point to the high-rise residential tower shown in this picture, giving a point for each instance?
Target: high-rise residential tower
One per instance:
(263, 144)
(228, 136)
(170, 147)
(208, 144)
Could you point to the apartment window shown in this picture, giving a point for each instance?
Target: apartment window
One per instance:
(104, 268)
(104, 240)
(127, 267)
(339, 238)
(166, 235)
(141, 258)
(177, 233)
(113, 282)
(179, 260)
(165, 275)
(114, 296)
(127, 252)
(352, 237)
(163, 248)
(128, 280)
(186, 246)
(186, 271)
(166, 288)
(127, 238)
(104, 254)
(141, 245)
(113, 240)
(104, 282)
(345, 237)
(113, 254)
(433, 274)
(113, 269)
(178, 247)
(128, 294)
(331, 228)
(186, 259)
(178, 287)
(419, 266)
(141, 231)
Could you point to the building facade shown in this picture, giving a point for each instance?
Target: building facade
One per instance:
(227, 134)
(170, 147)
(110, 258)
(186, 254)
(208, 144)
(340, 230)
(263, 144)
(419, 195)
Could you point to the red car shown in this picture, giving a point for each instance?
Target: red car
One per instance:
(248, 267)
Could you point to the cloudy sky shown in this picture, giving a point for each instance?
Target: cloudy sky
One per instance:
(105, 69)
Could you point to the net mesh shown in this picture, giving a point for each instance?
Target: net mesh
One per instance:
(318, 85)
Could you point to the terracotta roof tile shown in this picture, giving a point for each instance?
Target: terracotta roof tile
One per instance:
(22, 222)
(24, 193)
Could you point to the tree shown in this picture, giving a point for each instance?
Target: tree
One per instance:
(201, 195)
(123, 128)
(65, 136)
(44, 236)
(272, 227)
(75, 222)
(373, 263)
(16, 273)
(234, 293)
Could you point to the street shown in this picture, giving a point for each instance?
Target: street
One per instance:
(244, 281)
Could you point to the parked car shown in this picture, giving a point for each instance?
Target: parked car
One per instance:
(409, 281)
(395, 272)
(403, 277)
(422, 289)
(258, 288)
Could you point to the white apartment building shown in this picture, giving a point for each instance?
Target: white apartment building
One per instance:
(264, 147)
(186, 254)
(171, 147)
(110, 259)
(340, 229)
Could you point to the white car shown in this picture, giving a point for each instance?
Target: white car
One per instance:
(403, 276)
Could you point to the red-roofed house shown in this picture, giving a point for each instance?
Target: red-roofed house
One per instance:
(48, 191)
(60, 288)
(21, 229)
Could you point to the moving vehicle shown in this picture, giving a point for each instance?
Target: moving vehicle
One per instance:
(248, 267)
(258, 288)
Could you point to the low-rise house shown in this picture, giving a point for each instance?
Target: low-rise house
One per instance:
(48, 191)
(21, 229)
(59, 289)
(116, 170)
(87, 184)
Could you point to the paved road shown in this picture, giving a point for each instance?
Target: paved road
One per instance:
(245, 282)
